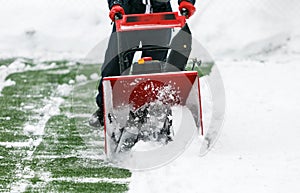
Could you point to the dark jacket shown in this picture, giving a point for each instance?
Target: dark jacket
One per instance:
(137, 6)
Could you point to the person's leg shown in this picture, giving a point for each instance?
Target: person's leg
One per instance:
(111, 67)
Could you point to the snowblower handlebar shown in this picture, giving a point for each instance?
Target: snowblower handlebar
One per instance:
(133, 22)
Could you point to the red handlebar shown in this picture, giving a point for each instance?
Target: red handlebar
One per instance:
(133, 22)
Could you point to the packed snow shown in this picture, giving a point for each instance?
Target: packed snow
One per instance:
(256, 45)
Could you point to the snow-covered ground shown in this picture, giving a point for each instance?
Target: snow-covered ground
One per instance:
(256, 44)
(258, 149)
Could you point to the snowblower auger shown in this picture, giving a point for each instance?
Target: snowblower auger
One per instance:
(138, 105)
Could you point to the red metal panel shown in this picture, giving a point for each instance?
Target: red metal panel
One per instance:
(140, 89)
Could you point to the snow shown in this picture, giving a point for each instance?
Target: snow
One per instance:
(71, 82)
(16, 66)
(50, 109)
(59, 72)
(258, 150)
(94, 76)
(51, 29)
(64, 90)
(145, 146)
(80, 29)
(5, 118)
(80, 78)
(16, 144)
(226, 27)
(151, 154)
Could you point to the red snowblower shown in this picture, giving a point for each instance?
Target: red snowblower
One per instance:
(141, 106)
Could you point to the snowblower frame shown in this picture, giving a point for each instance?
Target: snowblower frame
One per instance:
(138, 90)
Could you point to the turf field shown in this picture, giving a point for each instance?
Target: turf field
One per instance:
(46, 144)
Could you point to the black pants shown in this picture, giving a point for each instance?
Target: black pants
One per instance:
(128, 40)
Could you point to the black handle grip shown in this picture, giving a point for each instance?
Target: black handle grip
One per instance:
(118, 16)
(184, 12)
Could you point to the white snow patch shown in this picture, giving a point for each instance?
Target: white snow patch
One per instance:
(72, 63)
(66, 71)
(94, 76)
(52, 107)
(9, 82)
(5, 118)
(81, 78)
(145, 146)
(17, 66)
(28, 107)
(64, 90)
(15, 144)
(71, 82)
(23, 174)
(29, 129)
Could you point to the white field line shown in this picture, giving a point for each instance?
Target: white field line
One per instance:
(16, 144)
(89, 180)
(91, 157)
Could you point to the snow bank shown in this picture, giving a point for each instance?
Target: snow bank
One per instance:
(71, 28)
(52, 29)
(227, 27)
